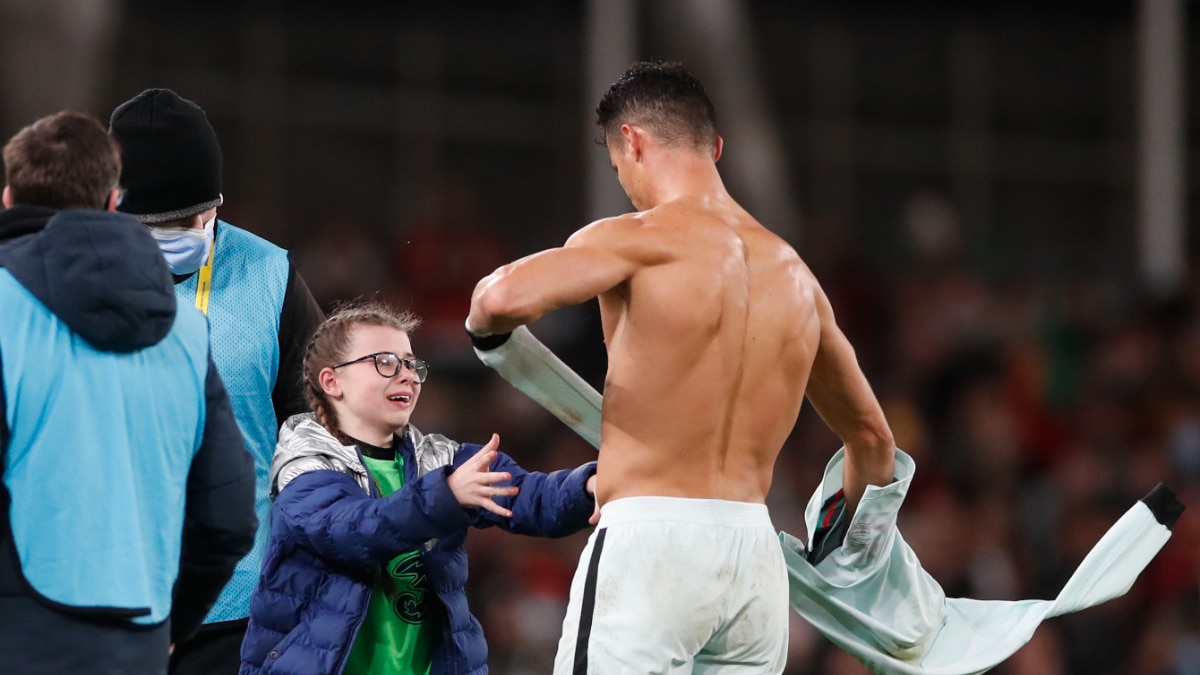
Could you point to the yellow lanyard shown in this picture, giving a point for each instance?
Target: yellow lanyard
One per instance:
(204, 280)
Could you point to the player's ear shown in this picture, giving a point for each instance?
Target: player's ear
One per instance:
(635, 140)
(6, 198)
(720, 145)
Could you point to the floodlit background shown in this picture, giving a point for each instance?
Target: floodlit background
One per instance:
(998, 197)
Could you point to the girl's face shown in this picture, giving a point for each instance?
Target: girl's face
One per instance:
(372, 407)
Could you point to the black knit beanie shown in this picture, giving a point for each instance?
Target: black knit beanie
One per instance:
(171, 159)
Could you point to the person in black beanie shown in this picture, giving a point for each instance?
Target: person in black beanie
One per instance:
(261, 312)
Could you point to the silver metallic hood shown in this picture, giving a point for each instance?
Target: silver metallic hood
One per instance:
(304, 445)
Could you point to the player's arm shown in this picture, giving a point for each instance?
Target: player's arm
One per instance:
(591, 262)
(842, 396)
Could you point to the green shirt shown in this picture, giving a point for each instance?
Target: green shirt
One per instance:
(396, 637)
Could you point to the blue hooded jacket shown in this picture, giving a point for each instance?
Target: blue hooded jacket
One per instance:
(127, 495)
(330, 529)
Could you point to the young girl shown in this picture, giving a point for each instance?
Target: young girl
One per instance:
(365, 568)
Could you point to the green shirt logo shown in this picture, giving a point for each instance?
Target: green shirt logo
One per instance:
(396, 636)
(405, 586)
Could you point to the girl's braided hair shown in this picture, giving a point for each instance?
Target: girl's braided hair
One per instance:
(329, 343)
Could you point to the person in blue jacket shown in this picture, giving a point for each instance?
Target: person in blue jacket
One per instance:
(365, 570)
(127, 495)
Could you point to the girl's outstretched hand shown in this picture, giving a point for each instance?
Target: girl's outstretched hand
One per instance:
(472, 483)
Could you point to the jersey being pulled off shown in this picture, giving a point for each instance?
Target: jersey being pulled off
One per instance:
(871, 597)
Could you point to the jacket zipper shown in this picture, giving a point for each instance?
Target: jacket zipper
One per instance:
(362, 616)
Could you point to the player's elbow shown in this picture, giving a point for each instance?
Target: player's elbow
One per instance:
(873, 435)
(496, 307)
(884, 442)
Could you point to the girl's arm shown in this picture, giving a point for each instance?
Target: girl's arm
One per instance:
(553, 504)
(327, 513)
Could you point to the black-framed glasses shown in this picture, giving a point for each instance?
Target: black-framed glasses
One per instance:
(388, 365)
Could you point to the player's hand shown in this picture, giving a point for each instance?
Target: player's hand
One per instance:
(472, 483)
(591, 490)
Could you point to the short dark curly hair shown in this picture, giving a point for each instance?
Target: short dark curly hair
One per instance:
(62, 161)
(663, 97)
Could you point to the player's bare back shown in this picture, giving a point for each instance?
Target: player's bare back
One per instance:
(710, 343)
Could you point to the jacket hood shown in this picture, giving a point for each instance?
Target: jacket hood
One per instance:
(23, 219)
(305, 445)
(101, 273)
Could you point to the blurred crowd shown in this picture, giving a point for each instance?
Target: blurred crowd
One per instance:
(1038, 410)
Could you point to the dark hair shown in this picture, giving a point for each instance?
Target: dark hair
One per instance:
(663, 97)
(62, 161)
(329, 343)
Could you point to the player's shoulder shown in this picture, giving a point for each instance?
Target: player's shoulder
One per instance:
(607, 230)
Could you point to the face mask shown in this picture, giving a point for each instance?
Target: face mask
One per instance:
(185, 249)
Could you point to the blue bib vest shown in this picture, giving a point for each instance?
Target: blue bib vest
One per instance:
(249, 281)
(98, 457)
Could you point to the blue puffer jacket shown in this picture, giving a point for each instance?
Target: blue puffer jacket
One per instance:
(330, 529)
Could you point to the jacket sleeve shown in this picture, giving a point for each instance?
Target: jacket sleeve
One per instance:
(327, 513)
(552, 504)
(298, 319)
(219, 521)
